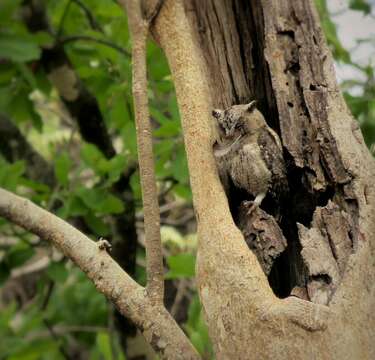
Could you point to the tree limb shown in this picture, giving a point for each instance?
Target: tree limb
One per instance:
(139, 28)
(156, 324)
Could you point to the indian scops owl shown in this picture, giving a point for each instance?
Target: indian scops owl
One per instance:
(249, 153)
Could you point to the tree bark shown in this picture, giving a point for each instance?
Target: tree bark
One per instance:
(227, 52)
(131, 299)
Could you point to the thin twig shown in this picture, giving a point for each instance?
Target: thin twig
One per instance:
(56, 338)
(68, 39)
(182, 289)
(62, 330)
(46, 299)
(62, 20)
(90, 17)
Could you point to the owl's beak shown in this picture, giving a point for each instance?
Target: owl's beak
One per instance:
(230, 132)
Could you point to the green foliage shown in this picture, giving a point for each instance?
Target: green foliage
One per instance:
(63, 164)
(329, 27)
(359, 92)
(361, 5)
(85, 178)
(197, 329)
(181, 266)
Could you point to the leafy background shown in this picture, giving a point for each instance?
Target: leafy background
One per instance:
(49, 310)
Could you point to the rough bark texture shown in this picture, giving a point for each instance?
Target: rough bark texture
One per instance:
(139, 28)
(262, 235)
(223, 52)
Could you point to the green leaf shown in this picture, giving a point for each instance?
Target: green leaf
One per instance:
(197, 329)
(135, 184)
(194, 312)
(19, 254)
(104, 345)
(18, 48)
(7, 73)
(57, 272)
(74, 206)
(6, 315)
(27, 74)
(97, 225)
(10, 174)
(92, 156)
(197, 341)
(116, 166)
(181, 266)
(62, 164)
(100, 200)
(168, 129)
(361, 5)
(36, 350)
(180, 167)
(118, 112)
(339, 52)
(43, 38)
(183, 191)
(130, 140)
(7, 9)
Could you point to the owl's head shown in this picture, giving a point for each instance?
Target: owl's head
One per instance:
(233, 118)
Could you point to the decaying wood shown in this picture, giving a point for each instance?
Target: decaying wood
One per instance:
(326, 248)
(285, 62)
(282, 61)
(327, 161)
(263, 236)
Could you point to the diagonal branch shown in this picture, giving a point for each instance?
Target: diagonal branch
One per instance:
(153, 320)
(139, 29)
(67, 39)
(90, 17)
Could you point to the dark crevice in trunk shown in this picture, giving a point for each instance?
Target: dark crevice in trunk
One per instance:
(282, 66)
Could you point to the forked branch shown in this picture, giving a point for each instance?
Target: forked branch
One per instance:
(153, 320)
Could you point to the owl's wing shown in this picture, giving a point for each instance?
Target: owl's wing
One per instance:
(272, 153)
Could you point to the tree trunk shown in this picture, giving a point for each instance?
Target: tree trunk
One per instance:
(232, 51)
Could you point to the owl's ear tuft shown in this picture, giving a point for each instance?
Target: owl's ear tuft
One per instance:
(216, 113)
(251, 106)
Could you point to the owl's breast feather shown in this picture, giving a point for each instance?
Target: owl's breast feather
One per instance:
(221, 150)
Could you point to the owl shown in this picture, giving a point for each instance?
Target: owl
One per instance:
(248, 153)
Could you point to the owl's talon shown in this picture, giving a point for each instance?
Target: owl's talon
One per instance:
(254, 204)
(252, 208)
